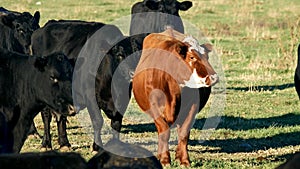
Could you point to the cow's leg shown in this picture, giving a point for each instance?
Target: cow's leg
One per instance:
(183, 137)
(97, 122)
(33, 131)
(163, 153)
(181, 150)
(116, 124)
(62, 133)
(46, 117)
(157, 102)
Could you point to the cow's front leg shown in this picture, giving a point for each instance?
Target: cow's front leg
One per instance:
(62, 133)
(163, 153)
(181, 151)
(46, 142)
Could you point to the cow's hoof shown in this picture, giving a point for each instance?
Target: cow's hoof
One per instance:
(64, 148)
(165, 162)
(43, 149)
(185, 163)
(34, 136)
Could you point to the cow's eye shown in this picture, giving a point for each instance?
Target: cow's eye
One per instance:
(20, 31)
(192, 58)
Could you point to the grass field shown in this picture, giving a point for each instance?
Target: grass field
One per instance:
(256, 41)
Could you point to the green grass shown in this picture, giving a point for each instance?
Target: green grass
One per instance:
(256, 42)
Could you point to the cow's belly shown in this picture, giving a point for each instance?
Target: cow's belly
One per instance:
(157, 94)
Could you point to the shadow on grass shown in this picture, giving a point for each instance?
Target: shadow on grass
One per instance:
(264, 88)
(239, 123)
(228, 122)
(236, 123)
(251, 144)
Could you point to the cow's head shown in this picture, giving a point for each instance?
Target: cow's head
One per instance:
(180, 56)
(22, 26)
(54, 82)
(196, 57)
(167, 6)
(152, 16)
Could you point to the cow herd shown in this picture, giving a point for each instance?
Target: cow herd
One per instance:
(170, 78)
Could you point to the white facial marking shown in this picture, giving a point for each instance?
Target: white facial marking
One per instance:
(194, 44)
(195, 81)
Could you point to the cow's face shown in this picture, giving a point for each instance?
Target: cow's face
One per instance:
(22, 26)
(196, 57)
(55, 82)
(168, 6)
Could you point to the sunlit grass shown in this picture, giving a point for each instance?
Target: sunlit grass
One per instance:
(256, 42)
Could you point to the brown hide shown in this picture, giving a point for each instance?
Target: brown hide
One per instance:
(168, 66)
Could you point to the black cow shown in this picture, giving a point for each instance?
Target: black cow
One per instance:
(50, 159)
(292, 163)
(16, 29)
(69, 36)
(27, 85)
(152, 16)
(123, 155)
(297, 74)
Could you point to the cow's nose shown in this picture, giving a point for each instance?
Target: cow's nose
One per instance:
(214, 79)
(71, 110)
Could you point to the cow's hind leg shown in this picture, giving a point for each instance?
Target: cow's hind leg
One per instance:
(97, 122)
(163, 139)
(157, 102)
(184, 133)
(116, 124)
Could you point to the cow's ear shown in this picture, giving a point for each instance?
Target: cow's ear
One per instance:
(185, 5)
(182, 49)
(40, 63)
(8, 20)
(208, 47)
(36, 18)
(152, 5)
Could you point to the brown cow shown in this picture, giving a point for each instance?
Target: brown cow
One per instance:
(172, 83)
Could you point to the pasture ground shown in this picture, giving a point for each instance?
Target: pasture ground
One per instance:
(256, 41)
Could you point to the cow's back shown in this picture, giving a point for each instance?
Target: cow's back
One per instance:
(63, 36)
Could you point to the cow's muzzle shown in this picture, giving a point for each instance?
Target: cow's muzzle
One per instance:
(214, 79)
